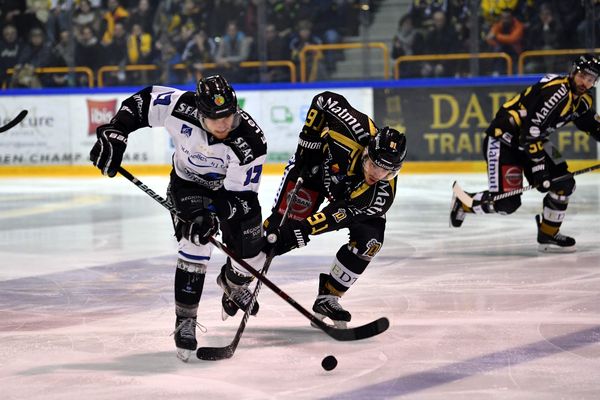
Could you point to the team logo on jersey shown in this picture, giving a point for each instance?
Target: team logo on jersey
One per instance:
(303, 203)
(100, 113)
(218, 99)
(373, 247)
(513, 177)
(340, 215)
(202, 161)
(211, 181)
(186, 130)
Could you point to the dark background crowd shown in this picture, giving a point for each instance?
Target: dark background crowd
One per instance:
(509, 26)
(184, 39)
(96, 33)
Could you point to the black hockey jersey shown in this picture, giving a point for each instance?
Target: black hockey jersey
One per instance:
(333, 138)
(529, 118)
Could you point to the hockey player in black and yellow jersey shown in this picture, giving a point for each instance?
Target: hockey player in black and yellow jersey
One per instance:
(344, 158)
(518, 142)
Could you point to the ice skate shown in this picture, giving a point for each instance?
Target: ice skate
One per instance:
(457, 212)
(185, 337)
(327, 305)
(558, 243)
(235, 297)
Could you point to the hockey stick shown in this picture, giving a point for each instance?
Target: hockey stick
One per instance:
(468, 200)
(221, 353)
(14, 122)
(360, 332)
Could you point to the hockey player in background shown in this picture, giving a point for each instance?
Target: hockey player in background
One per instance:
(518, 142)
(344, 158)
(217, 165)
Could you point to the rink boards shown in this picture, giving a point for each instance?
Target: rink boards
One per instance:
(444, 121)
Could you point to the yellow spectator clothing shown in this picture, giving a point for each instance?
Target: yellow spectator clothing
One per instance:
(111, 18)
(490, 9)
(138, 46)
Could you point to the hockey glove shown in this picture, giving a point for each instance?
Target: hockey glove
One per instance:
(291, 235)
(201, 228)
(107, 153)
(337, 187)
(541, 177)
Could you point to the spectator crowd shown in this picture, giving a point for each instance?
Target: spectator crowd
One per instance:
(508, 26)
(184, 39)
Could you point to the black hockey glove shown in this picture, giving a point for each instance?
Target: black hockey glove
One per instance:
(107, 153)
(541, 177)
(291, 235)
(310, 173)
(201, 228)
(337, 187)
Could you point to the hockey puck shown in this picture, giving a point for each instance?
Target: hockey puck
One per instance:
(272, 238)
(329, 363)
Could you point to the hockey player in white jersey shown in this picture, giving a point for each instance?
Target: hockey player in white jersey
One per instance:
(217, 166)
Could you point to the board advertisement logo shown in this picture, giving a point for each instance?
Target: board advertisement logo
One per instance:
(99, 113)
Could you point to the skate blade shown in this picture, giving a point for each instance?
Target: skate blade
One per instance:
(550, 248)
(224, 314)
(337, 324)
(184, 354)
(238, 307)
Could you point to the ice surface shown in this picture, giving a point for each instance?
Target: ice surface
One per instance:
(86, 303)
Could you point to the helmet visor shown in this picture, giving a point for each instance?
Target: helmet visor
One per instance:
(375, 172)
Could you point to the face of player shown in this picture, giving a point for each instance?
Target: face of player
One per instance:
(583, 82)
(221, 127)
(374, 173)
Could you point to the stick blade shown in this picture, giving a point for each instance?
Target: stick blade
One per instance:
(462, 195)
(371, 329)
(215, 353)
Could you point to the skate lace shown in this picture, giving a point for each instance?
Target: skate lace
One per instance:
(187, 328)
(559, 236)
(241, 296)
(332, 302)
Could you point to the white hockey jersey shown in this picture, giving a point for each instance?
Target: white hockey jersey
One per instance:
(234, 164)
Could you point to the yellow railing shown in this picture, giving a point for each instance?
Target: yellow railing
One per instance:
(455, 56)
(61, 70)
(100, 78)
(344, 46)
(545, 53)
(243, 64)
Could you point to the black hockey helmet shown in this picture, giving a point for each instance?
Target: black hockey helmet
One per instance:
(587, 63)
(387, 150)
(215, 97)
